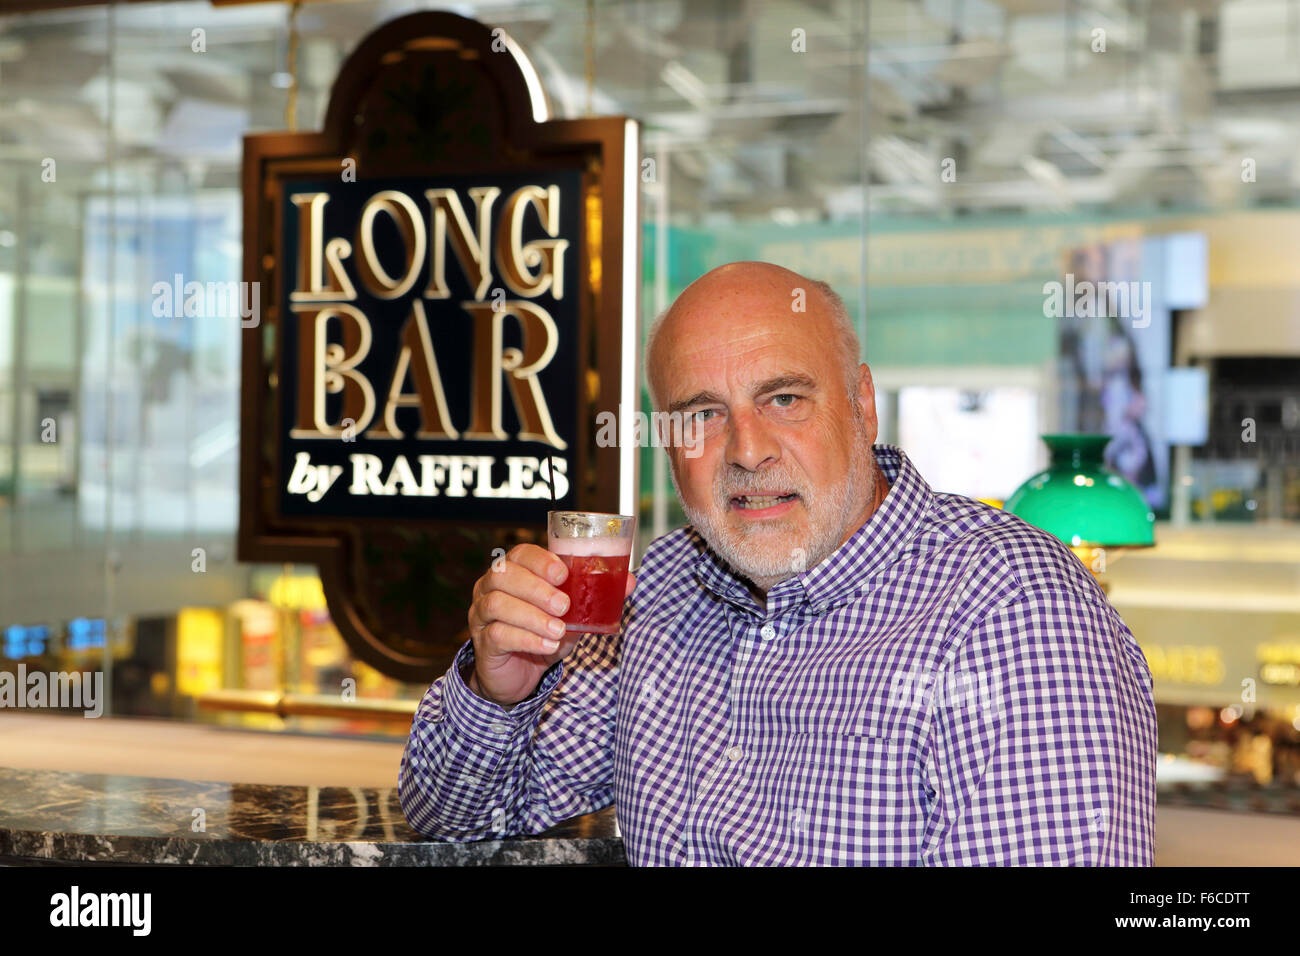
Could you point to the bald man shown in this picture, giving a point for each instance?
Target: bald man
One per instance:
(832, 664)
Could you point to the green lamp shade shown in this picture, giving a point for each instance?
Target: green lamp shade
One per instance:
(1081, 501)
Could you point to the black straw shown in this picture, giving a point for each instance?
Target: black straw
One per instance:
(550, 476)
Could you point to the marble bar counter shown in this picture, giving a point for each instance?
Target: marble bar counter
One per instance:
(53, 817)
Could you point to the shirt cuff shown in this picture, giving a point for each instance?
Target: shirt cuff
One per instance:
(486, 723)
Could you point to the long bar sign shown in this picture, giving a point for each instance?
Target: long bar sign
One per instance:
(448, 284)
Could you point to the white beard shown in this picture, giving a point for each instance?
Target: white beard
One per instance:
(763, 553)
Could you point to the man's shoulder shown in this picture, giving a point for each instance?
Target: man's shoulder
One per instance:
(1011, 563)
(1026, 557)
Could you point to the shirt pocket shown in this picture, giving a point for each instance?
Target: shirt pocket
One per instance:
(844, 797)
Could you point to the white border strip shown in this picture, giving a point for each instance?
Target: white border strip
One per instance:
(631, 393)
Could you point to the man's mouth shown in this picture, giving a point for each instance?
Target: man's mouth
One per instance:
(755, 502)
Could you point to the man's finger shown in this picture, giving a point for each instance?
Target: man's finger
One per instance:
(501, 605)
(500, 638)
(519, 582)
(539, 561)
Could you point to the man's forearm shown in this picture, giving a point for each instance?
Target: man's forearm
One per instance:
(471, 772)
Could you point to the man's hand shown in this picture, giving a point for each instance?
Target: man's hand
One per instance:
(515, 625)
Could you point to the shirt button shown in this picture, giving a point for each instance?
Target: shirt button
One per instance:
(734, 753)
(768, 632)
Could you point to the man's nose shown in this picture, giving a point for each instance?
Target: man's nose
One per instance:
(750, 443)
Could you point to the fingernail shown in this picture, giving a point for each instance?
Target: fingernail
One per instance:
(560, 603)
(550, 645)
(557, 573)
(555, 627)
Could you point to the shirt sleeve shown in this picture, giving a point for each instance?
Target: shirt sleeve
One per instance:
(1042, 741)
(473, 770)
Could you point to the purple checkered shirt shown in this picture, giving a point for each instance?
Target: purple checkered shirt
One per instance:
(949, 687)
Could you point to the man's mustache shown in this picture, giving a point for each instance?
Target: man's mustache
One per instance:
(768, 486)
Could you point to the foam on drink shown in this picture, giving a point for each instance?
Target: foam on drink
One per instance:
(607, 547)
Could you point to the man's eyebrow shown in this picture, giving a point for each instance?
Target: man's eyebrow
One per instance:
(793, 380)
(699, 398)
(762, 388)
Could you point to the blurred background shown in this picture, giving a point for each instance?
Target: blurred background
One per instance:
(944, 165)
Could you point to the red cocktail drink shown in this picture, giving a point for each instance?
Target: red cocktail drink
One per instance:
(595, 587)
(596, 548)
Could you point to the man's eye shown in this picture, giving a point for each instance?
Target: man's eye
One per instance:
(780, 404)
(699, 416)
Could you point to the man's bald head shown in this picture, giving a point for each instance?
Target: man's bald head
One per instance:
(762, 364)
(749, 286)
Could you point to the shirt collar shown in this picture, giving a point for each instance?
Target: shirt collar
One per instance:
(836, 579)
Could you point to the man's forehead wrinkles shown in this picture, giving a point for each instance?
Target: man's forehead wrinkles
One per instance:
(730, 340)
(717, 333)
(712, 360)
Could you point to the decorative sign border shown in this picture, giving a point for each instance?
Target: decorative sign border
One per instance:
(606, 149)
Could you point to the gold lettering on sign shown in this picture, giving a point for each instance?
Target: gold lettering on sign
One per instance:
(327, 366)
(473, 250)
(323, 289)
(406, 216)
(521, 367)
(417, 357)
(314, 255)
(516, 258)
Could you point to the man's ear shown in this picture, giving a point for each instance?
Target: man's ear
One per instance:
(867, 402)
